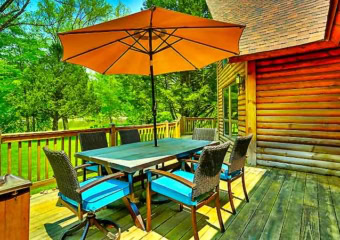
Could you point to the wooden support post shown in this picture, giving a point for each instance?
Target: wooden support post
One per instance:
(113, 139)
(251, 110)
(0, 149)
(166, 129)
(176, 130)
(184, 123)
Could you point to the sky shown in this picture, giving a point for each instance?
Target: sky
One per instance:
(134, 5)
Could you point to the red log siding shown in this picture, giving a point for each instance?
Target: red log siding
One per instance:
(298, 112)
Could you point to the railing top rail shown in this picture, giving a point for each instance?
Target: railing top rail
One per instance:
(15, 137)
(200, 118)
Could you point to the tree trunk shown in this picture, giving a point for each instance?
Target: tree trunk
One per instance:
(27, 123)
(110, 119)
(65, 123)
(33, 123)
(55, 122)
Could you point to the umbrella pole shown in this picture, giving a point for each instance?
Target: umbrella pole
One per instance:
(154, 108)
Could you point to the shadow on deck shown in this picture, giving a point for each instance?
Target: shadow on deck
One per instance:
(283, 205)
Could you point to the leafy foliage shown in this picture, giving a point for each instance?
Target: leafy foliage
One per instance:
(37, 90)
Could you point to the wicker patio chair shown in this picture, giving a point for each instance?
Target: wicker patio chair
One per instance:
(207, 134)
(131, 136)
(90, 141)
(193, 190)
(87, 197)
(234, 169)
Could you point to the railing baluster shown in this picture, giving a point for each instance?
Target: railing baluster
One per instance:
(20, 159)
(29, 160)
(9, 157)
(0, 151)
(62, 143)
(55, 144)
(77, 144)
(38, 160)
(70, 148)
(46, 162)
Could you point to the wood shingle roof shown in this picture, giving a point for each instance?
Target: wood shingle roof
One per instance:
(274, 24)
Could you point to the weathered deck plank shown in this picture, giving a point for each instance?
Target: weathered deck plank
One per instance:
(292, 221)
(272, 229)
(283, 205)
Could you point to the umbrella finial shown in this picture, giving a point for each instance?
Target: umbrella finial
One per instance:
(153, 8)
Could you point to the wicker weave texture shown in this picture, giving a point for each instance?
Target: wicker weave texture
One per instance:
(64, 173)
(207, 175)
(94, 140)
(129, 136)
(239, 153)
(208, 134)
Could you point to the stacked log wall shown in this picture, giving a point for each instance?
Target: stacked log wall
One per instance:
(298, 112)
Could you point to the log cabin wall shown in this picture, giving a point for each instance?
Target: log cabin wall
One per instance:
(226, 74)
(298, 112)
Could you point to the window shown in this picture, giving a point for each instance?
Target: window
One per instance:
(224, 62)
(230, 110)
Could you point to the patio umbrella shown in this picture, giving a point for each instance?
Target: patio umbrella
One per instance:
(151, 42)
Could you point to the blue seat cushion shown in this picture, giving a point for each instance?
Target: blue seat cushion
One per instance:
(100, 195)
(92, 168)
(225, 175)
(174, 189)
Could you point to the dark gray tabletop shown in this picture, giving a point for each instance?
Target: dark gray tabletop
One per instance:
(137, 156)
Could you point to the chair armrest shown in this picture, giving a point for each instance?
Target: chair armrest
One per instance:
(190, 160)
(100, 180)
(173, 176)
(228, 164)
(84, 166)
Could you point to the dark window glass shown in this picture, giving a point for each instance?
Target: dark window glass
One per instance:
(230, 110)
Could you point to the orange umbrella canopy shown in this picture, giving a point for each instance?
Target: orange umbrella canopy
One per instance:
(179, 42)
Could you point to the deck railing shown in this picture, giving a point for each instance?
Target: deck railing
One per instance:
(21, 154)
(190, 123)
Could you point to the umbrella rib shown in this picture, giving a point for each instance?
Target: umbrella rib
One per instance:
(204, 44)
(165, 40)
(145, 29)
(123, 54)
(177, 51)
(137, 41)
(166, 47)
(104, 45)
(134, 48)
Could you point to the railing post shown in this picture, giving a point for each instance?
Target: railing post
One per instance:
(113, 141)
(166, 129)
(184, 123)
(0, 150)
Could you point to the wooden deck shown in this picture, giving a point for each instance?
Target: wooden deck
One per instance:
(283, 205)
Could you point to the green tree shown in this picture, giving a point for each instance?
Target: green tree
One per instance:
(11, 12)
(191, 93)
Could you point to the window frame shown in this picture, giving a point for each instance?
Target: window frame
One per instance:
(229, 119)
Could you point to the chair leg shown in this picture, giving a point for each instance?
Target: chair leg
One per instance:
(218, 209)
(244, 187)
(180, 207)
(86, 230)
(231, 197)
(194, 222)
(148, 207)
(73, 229)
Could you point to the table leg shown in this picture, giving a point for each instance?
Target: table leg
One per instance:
(132, 196)
(108, 169)
(134, 212)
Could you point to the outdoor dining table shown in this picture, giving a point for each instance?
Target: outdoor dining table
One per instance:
(130, 158)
